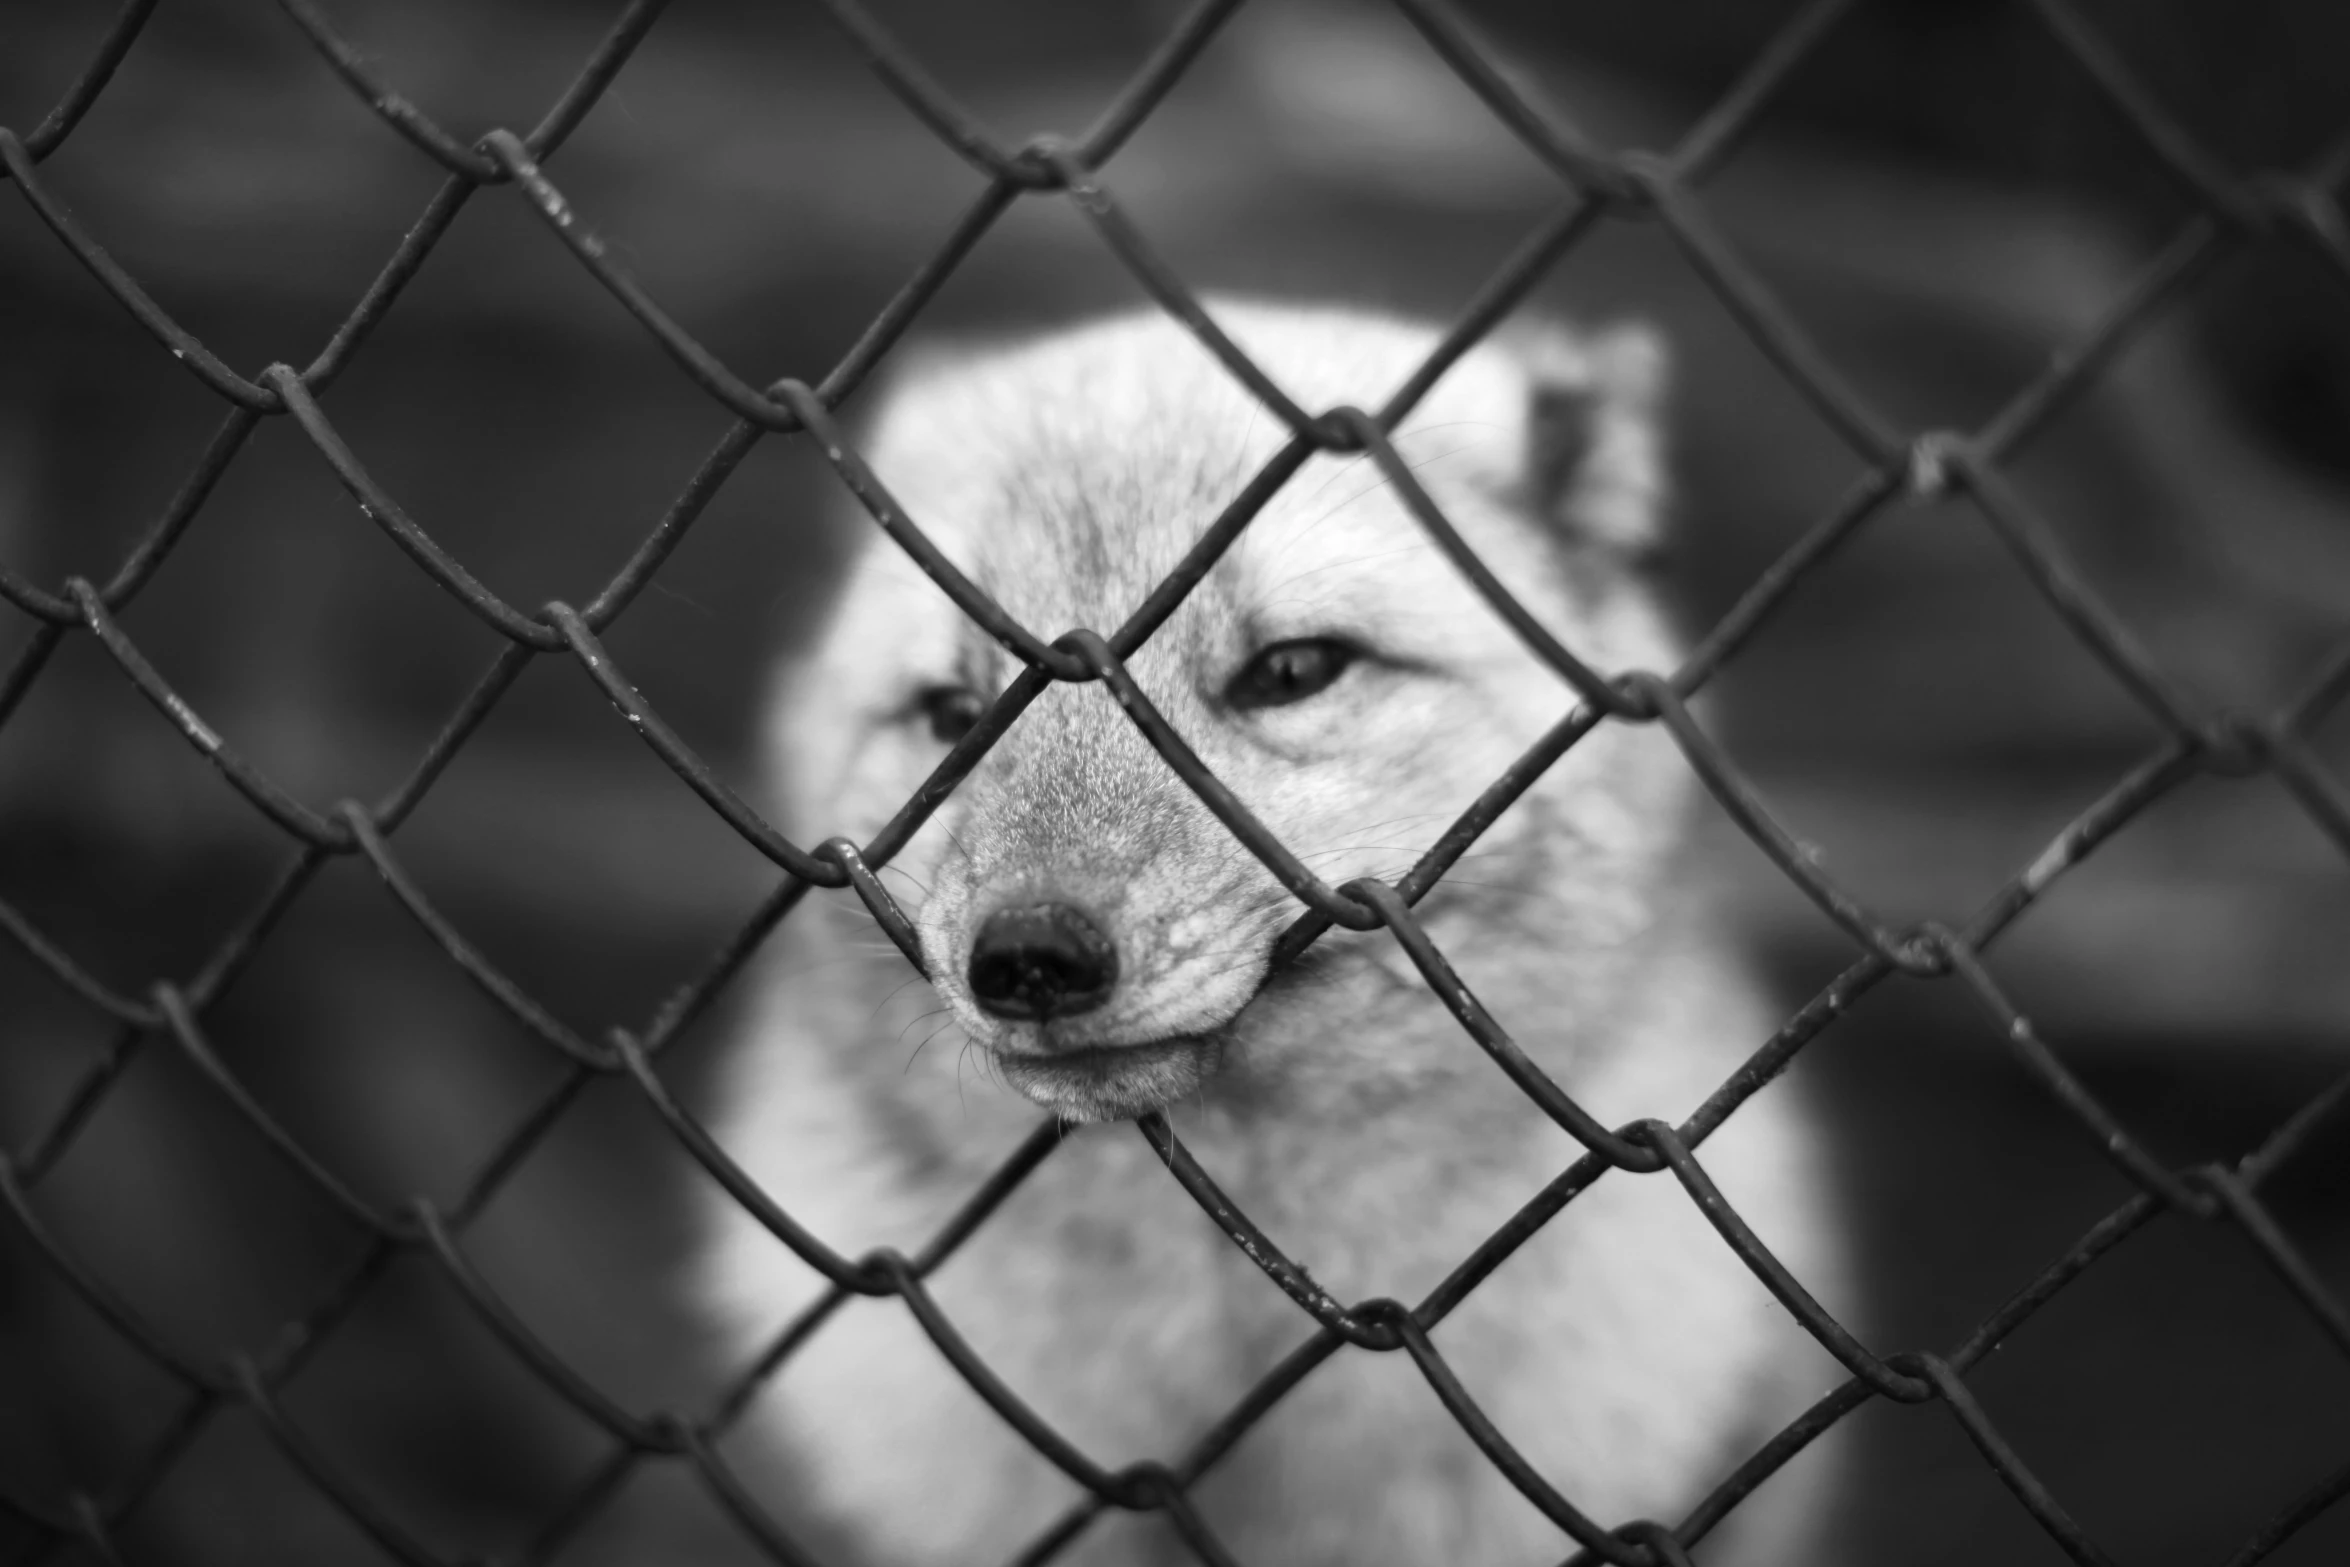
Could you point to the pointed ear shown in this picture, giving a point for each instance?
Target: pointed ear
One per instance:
(1593, 462)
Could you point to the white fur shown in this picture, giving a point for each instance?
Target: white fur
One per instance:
(1624, 1349)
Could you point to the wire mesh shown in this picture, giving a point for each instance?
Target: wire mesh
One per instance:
(1597, 186)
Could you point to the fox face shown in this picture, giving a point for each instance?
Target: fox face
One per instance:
(1089, 924)
(1105, 946)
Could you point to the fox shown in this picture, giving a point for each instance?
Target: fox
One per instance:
(1098, 946)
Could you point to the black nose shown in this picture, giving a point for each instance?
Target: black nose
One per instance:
(1042, 960)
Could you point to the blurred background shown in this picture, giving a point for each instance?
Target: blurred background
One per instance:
(1940, 196)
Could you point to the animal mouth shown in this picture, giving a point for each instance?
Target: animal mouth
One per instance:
(1113, 1082)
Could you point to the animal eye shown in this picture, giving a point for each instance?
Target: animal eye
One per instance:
(952, 711)
(1289, 672)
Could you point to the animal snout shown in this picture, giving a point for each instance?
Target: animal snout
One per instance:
(1042, 960)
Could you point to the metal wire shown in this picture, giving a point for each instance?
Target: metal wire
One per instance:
(1597, 186)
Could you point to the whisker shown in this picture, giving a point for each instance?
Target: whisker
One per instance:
(905, 875)
(926, 1039)
(1370, 489)
(919, 1019)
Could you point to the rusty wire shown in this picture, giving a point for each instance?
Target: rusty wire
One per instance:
(1596, 185)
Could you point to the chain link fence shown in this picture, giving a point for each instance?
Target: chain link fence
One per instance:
(1596, 187)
